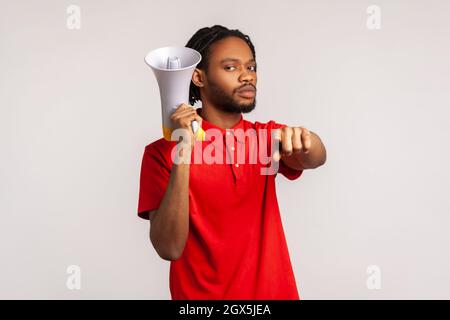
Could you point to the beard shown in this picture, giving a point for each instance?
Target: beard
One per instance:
(227, 103)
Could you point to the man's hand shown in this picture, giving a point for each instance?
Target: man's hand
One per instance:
(293, 140)
(182, 118)
(300, 148)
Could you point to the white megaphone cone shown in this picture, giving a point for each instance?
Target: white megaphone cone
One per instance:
(173, 68)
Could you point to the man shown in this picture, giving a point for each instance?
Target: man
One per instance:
(219, 223)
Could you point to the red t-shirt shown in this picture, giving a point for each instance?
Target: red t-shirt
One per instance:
(236, 247)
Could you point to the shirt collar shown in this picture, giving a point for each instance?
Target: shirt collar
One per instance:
(239, 125)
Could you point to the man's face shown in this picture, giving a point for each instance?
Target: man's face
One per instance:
(232, 70)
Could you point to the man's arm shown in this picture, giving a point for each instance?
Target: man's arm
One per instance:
(169, 225)
(301, 148)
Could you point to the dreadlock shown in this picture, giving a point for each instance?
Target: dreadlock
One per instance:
(202, 41)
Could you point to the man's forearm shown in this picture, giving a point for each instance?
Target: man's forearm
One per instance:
(170, 226)
(315, 157)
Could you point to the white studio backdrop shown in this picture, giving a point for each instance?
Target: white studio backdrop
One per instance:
(78, 106)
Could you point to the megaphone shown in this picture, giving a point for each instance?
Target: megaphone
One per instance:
(173, 68)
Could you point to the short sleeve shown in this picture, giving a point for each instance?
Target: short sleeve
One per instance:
(154, 179)
(286, 171)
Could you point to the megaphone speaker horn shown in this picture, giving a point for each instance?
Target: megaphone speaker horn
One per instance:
(173, 68)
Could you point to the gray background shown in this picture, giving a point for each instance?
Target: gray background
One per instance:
(79, 106)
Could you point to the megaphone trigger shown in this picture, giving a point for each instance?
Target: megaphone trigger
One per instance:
(194, 125)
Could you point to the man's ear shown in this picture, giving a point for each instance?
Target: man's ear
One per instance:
(198, 78)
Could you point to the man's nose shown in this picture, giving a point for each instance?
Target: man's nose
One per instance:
(247, 76)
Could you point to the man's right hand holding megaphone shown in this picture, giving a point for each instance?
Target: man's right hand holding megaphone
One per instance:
(182, 118)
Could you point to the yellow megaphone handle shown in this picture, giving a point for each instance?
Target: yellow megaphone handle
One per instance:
(200, 135)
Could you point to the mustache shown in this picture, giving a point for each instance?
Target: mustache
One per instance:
(246, 87)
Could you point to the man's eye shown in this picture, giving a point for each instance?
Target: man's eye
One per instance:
(228, 68)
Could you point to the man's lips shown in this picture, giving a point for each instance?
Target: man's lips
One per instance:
(247, 92)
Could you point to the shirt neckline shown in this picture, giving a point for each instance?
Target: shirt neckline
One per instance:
(208, 125)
